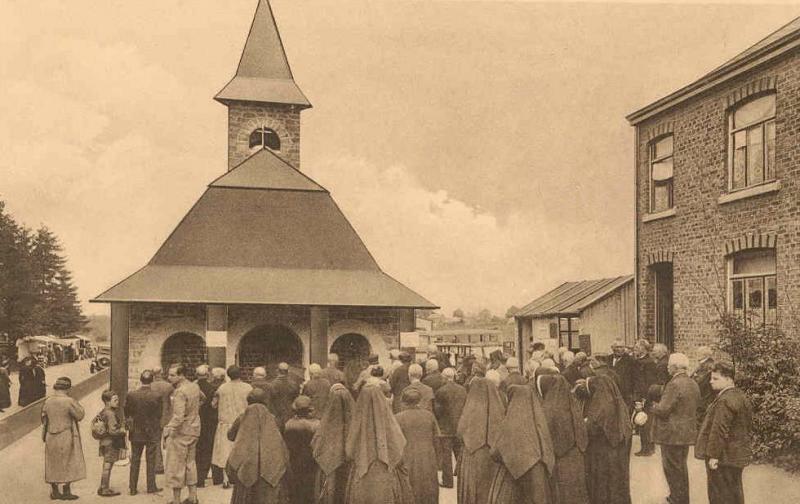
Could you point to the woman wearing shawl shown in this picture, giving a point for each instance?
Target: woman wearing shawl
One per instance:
(375, 447)
(568, 432)
(259, 458)
(419, 457)
(329, 445)
(524, 447)
(608, 451)
(478, 428)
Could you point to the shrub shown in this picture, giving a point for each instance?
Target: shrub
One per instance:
(767, 365)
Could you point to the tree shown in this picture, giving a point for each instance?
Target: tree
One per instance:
(17, 292)
(458, 313)
(485, 314)
(512, 311)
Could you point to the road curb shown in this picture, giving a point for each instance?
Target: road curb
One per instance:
(17, 425)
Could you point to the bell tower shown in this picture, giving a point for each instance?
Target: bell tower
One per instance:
(264, 102)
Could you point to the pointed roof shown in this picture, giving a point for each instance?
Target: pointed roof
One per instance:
(265, 234)
(571, 298)
(775, 44)
(263, 74)
(266, 170)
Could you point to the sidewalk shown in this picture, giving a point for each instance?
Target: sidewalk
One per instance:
(763, 484)
(76, 371)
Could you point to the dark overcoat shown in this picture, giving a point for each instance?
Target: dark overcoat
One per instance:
(675, 422)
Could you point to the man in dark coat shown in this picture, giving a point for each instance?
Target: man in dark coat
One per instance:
(260, 379)
(284, 392)
(702, 376)
(209, 419)
(298, 433)
(599, 367)
(433, 377)
(332, 373)
(644, 377)
(675, 427)
(399, 381)
(660, 354)
(317, 388)
(143, 412)
(448, 404)
(514, 376)
(623, 365)
(724, 439)
(32, 386)
(426, 393)
(464, 371)
(419, 455)
(164, 389)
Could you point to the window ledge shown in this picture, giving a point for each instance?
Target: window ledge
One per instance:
(767, 188)
(658, 215)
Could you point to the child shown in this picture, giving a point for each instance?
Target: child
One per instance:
(112, 441)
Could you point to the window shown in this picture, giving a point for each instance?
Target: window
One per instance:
(752, 143)
(265, 138)
(568, 332)
(753, 287)
(661, 174)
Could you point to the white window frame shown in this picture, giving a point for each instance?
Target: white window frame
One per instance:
(731, 144)
(764, 275)
(651, 160)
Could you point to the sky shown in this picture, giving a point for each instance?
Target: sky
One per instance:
(480, 148)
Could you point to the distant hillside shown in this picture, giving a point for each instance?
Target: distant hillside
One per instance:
(98, 328)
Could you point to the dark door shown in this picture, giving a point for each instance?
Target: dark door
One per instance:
(664, 304)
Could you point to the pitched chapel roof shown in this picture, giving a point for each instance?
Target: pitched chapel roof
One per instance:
(777, 43)
(263, 74)
(264, 234)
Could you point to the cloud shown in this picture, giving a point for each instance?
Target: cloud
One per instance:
(457, 255)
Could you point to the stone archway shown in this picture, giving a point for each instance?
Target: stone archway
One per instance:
(186, 348)
(268, 346)
(353, 350)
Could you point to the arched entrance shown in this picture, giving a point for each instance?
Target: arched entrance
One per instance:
(353, 350)
(184, 347)
(268, 346)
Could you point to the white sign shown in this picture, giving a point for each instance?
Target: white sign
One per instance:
(409, 339)
(216, 338)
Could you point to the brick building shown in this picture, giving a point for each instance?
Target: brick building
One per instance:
(264, 267)
(717, 184)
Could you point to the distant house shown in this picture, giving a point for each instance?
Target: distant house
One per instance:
(461, 342)
(586, 315)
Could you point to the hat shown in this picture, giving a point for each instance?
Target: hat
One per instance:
(62, 383)
(302, 403)
(405, 357)
(640, 418)
(411, 396)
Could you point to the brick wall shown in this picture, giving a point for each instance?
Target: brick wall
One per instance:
(245, 117)
(186, 348)
(695, 238)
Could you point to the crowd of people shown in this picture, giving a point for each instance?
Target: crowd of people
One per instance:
(557, 429)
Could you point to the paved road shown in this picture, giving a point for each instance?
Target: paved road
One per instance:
(76, 371)
(21, 478)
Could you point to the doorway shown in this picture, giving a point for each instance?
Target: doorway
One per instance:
(267, 346)
(353, 350)
(664, 305)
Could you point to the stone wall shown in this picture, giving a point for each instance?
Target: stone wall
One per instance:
(697, 239)
(151, 325)
(245, 117)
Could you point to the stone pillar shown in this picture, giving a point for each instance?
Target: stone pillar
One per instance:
(120, 335)
(318, 341)
(520, 343)
(216, 334)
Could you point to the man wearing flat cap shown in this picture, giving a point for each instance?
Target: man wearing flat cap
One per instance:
(298, 433)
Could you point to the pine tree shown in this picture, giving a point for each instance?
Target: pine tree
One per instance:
(17, 293)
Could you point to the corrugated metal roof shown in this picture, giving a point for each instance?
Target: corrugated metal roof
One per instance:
(266, 170)
(229, 285)
(263, 74)
(570, 298)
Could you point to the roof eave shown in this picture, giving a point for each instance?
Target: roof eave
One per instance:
(100, 299)
(255, 90)
(717, 77)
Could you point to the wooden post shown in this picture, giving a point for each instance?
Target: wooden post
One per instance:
(318, 344)
(520, 342)
(120, 339)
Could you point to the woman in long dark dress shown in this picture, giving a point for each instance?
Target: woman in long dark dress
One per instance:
(421, 432)
(568, 432)
(375, 447)
(525, 450)
(32, 385)
(257, 465)
(608, 450)
(329, 445)
(478, 427)
(5, 389)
